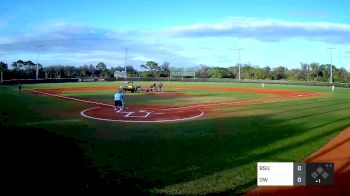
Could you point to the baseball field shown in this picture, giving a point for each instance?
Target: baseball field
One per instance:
(192, 138)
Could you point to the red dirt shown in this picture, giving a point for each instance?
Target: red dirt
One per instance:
(277, 92)
(105, 111)
(143, 115)
(337, 151)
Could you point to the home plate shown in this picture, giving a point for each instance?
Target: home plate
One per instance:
(142, 115)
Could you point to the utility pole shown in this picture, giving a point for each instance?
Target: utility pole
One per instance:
(239, 60)
(331, 76)
(37, 64)
(126, 61)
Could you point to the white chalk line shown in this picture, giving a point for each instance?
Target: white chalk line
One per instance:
(82, 113)
(71, 98)
(131, 115)
(119, 111)
(181, 107)
(267, 100)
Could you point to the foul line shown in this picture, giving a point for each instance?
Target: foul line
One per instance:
(71, 98)
(82, 113)
(264, 100)
(181, 107)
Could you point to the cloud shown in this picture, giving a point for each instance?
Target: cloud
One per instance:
(267, 30)
(64, 42)
(61, 36)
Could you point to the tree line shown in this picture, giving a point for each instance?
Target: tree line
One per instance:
(306, 72)
(27, 70)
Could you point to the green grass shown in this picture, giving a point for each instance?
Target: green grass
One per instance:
(207, 155)
(188, 97)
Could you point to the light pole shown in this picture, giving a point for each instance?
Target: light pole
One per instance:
(1, 72)
(37, 65)
(239, 60)
(126, 61)
(331, 76)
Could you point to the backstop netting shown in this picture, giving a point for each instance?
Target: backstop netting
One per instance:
(182, 72)
(120, 74)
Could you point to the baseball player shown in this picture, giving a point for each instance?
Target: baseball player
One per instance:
(119, 100)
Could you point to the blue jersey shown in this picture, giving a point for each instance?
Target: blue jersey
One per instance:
(118, 96)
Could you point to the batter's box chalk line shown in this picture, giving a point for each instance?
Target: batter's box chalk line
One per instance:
(132, 114)
(83, 113)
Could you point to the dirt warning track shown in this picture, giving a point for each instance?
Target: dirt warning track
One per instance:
(336, 151)
(157, 114)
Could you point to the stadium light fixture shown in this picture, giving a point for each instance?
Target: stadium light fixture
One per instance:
(37, 46)
(126, 61)
(331, 74)
(239, 62)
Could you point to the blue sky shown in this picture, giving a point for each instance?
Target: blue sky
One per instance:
(184, 33)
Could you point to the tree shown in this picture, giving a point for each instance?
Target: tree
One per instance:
(58, 71)
(17, 65)
(165, 69)
(70, 72)
(281, 72)
(101, 70)
(266, 73)
(29, 65)
(203, 72)
(152, 68)
(48, 71)
(3, 67)
(101, 66)
(92, 69)
(219, 72)
(85, 71)
(247, 72)
(343, 75)
(131, 71)
(216, 73)
(233, 71)
(294, 74)
(340, 75)
(315, 71)
(325, 72)
(305, 70)
(258, 73)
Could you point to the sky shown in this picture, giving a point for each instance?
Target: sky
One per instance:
(185, 33)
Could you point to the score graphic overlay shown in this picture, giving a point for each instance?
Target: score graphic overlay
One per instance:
(294, 174)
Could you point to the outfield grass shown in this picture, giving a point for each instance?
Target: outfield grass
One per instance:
(207, 155)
